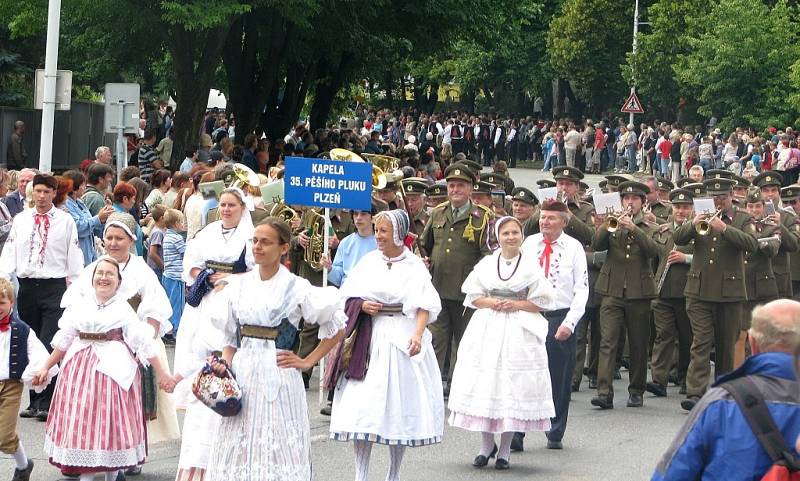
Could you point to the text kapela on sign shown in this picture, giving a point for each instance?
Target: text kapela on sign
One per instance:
(330, 169)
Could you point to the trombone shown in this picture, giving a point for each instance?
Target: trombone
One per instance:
(704, 226)
(613, 219)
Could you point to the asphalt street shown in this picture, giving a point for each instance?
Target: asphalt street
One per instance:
(619, 444)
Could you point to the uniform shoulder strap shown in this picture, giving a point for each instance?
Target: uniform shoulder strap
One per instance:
(751, 402)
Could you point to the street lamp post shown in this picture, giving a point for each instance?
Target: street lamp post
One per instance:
(49, 94)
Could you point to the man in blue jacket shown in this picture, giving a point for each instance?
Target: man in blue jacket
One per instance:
(716, 442)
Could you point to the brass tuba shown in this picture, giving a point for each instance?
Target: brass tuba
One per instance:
(284, 212)
(388, 169)
(314, 224)
(378, 176)
(245, 177)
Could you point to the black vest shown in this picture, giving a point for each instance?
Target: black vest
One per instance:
(18, 354)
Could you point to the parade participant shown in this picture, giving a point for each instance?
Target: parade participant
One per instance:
(788, 226)
(656, 211)
(790, 197)
(523, 205)
(587, 332)
(760, 279)
(254, 311)
(501, 382)
(398, 400)
(354, 246)
(435, 195)
(22, 355)
(98, 344)
(42, 251)
(715, 287)
(740, 189)
(669, 308)
(664, 189)
(414, 192)
(580, 222)
(626, 280)
(564, 263)
(482, 194)
(455, 240)
(148, 299)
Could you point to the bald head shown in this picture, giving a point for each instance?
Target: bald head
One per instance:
(776, 327)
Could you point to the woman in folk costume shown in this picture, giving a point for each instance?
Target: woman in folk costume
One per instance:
(501, 382)
(96, 423)
(397, 401)
(259, 313)
(152, 306)
(219, 250)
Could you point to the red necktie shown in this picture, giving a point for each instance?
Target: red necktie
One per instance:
(5, 323)
(544, 259)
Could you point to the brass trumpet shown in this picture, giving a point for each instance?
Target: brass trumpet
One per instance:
(704, 226)
(379, 179)
(613, 220)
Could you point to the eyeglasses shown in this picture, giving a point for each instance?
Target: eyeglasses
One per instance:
(107, 274)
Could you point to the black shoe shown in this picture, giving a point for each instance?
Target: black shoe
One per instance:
(326, 411)
(516, 443)
(682, 390)
(554, 445)
(673, 378)
(28, 413)
(501, 464)
(617, 375)
(446, 391)
(41, 415)
(689, 403)
(70, 474)
(657, 389)
(603, 402)
(134, 471)
(306, 380)
(23, 474)
(169, 340)
(635, 401)
(120, 476)
(481, 460)
(593, 382)
(576, 386)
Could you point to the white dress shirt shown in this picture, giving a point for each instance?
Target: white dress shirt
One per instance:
(42, 251)
(37, 355)
(567, 274)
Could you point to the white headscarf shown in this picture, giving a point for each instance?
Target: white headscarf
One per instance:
(400, 224)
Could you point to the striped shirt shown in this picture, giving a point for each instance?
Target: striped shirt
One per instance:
(174, 246)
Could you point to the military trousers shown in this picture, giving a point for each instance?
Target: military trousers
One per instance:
(449, 328)
(587, 333)
(671, 323)
(633, 315)
(308, 341)
(714, 325)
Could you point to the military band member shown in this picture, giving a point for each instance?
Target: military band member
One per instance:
(435, 195)
(389, 195)
(603, 184)
(740, 190)
(659, 210)
(715, 288)
(626, 280)
(683, 182)
(473, 166)
(580, 223)
(669, 308)
(790, 197)
(499, 180)
(546, 183)
(613, 181)
(482, 194)
(664, 189)
(523, 205)
(414, 192)
(770, 185)
(455, 240)
(760, 280)
(502, 206)
(588, 330)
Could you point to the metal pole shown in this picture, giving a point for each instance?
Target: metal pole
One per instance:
(322, 394)
(635, 32)
(50, 74)
(122, 146)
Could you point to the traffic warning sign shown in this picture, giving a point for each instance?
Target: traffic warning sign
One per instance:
(632, 105)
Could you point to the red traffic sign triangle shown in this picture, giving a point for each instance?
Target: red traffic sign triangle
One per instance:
(632, 105)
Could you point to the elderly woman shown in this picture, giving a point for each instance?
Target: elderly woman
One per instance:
(259, 313)
(100, 344)
(88, 226)
(397, 400)
(146, 296)
(501, 382)
(223, 248)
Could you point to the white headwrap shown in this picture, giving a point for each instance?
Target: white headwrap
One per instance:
(499, 223)
(117, 220)
(400, 224)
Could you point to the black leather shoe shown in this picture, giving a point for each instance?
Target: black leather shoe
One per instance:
(617, 375)
(673, 378)
(134, 471)
(23, 474)
(28, 413)
(657, 389)
(682, 390)
(120, 476)
(635, 401)
(689, 403)
(326, 411)
(481, 460)
(603, 402)
(554, 445)
(41, 415)
(576, 386)
(516, 443)
(501, 464)
(593, 382)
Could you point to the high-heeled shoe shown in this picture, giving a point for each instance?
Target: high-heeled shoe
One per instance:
(501, 464)
(481, 460)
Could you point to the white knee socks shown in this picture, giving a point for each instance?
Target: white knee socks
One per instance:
(20, 457)
(487, 444)
(505, 445)
(112, 476)
(395, 460)
(362, 450)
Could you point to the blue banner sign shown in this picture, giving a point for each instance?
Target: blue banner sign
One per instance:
(328, 183)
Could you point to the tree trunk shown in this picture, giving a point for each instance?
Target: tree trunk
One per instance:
(433, 98)
(577, 106)
(403, 98)
(326, 89)
(419, 94)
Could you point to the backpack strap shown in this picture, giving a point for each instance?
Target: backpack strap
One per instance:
(750, 401)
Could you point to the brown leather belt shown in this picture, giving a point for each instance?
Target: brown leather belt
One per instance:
(259, 332)
(224, 267)
(112, 335)
(391, 309)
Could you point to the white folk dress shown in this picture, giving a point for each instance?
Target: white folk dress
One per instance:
(399, 401)
(501, 381)
(269, 439)
(96, 421)
(198, 338)
(151, 302)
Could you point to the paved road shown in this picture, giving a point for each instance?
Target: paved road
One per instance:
(622, 444)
